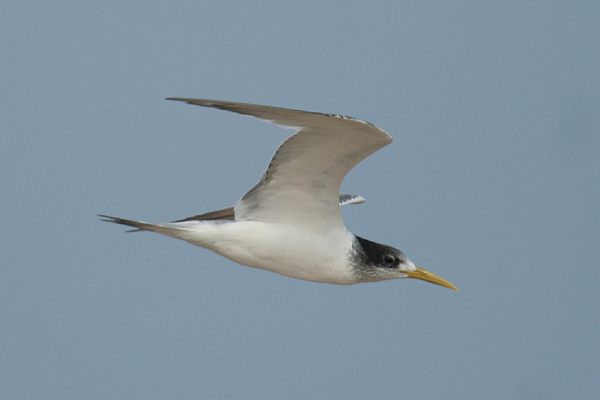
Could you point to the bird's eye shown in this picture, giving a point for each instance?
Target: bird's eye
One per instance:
(389, 259)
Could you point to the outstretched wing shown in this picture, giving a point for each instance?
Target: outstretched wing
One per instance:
(302, 182)
(228, 214)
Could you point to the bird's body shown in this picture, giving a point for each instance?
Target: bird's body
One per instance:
(290, 222)
(280, 248)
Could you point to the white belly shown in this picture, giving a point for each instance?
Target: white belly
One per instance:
(289, 250)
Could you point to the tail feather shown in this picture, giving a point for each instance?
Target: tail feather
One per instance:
(139, 225)
(185, 230)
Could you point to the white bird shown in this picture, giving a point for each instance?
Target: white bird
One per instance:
(290, 222)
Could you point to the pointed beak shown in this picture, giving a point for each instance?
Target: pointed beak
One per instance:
(425, 275)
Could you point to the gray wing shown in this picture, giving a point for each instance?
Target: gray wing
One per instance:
(228, 214)
(346, 198)
(301, 184)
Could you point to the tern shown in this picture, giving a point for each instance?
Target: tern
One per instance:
(290, 222)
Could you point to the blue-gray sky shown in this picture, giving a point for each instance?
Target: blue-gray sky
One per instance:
(493, 182)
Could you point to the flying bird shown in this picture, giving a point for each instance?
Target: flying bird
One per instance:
(290, 222)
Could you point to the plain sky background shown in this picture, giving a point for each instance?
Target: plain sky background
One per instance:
(493, 182)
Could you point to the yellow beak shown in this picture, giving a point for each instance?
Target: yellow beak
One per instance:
(425, 275)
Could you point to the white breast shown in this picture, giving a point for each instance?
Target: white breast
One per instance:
(291, 250)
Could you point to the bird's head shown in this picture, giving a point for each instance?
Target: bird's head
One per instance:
(377, 262)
